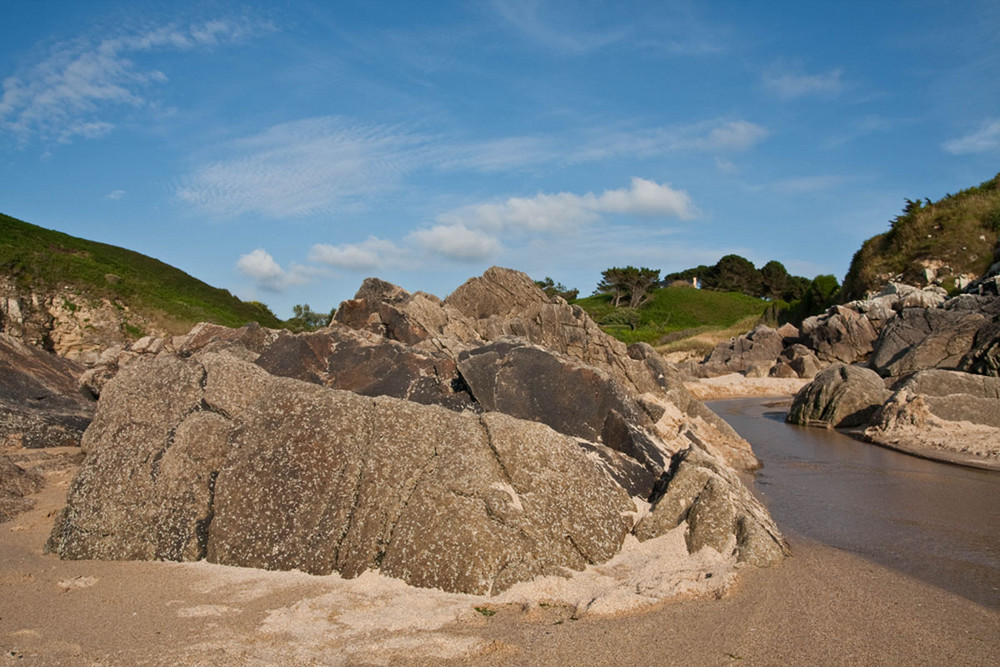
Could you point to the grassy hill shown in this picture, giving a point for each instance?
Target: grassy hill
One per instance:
(42, 260)
(959, 232)
(674, 312)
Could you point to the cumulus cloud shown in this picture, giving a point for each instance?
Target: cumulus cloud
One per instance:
(565, 210)
(66, 94)
(268, 274)
(475, 232)
(456, 241)
(302, 168)
(373, 253)
(789, 85)
(985, 139)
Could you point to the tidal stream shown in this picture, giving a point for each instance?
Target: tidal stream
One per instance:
(934, 521)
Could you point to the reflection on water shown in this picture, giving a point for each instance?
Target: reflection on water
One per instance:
(935, 521)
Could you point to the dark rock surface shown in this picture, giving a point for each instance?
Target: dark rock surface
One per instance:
(923, 338)
(40, 403)
(367, 364)
(16, 484)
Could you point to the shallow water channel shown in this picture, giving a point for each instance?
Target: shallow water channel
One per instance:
(934, 521)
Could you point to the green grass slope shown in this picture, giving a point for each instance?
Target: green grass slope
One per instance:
(959, 231)
(671, 310)
(44, 260)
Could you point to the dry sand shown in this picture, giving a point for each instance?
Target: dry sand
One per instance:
(821, 606)
(735, 385)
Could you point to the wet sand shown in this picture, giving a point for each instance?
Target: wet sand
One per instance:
(822, 605)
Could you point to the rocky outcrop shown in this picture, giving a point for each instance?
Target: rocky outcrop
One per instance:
(40, 404)
(923, 338)
(961, 429)
(67, 323)
(459, 463)
(840, 396)
(753, 354)
(842, 334)
(719, 510)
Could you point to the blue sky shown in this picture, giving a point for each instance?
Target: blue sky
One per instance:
(285, 151)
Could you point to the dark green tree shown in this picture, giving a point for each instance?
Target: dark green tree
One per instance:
(733, 273)
(305, 318)
(628, 283)
(552, 288)
(774, 280)
(822, 294)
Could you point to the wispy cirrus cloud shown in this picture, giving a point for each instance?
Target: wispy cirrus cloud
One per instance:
(535, 20)
(72, 91)
(329, 163)
(982, 140)
(302, 168)
(575, 29)
(789, 82)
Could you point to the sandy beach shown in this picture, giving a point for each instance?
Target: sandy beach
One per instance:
(821, 605)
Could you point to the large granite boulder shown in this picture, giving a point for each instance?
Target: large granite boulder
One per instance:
(40, 403)
(254, 470)
(414, 436)
(840, 396)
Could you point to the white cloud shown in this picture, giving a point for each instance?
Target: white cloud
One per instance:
(790, 85)
(115, 195)
(550, 213)
(268, 274)
(67, 94)
(985, 139)
(373, 253)
(302, 168)
(456, 241)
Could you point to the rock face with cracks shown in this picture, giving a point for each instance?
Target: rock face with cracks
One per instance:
(40, 404)
(414, 444)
